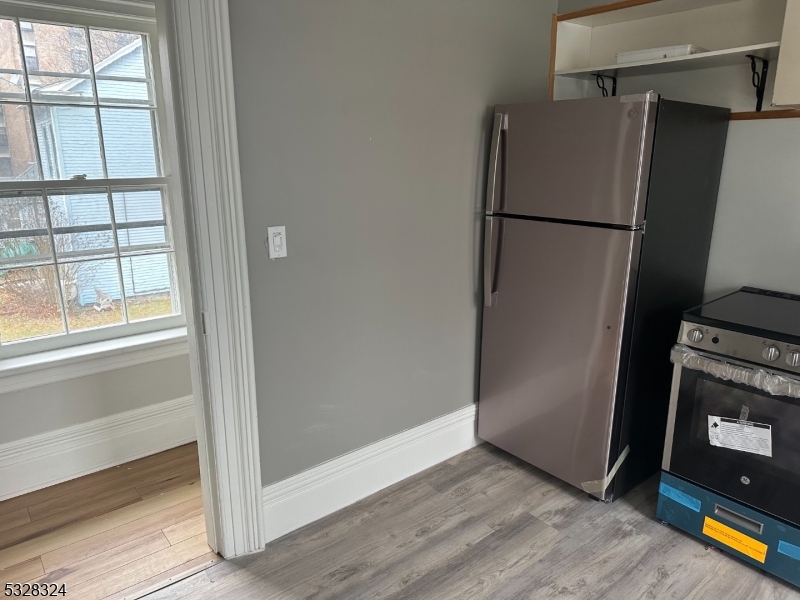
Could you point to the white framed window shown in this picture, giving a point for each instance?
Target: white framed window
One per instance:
(87, 251)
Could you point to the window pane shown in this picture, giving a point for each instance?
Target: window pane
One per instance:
(12, 83)
(23, 231)
(58, 62)
(132, 205)
(149, 286)
(12, 87)
(129, 141)
(141, 226)
(114, 47)
(17, 152)
(119, 62)
(69, 142)
(81, 224)
(92, 293)
(29, 304)
(74, 89)
(123, 92)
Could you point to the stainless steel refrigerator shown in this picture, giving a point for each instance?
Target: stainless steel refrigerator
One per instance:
(598, 226)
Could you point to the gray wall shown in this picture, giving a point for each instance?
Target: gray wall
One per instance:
(362, 127)
(57, 405)
(722, 86)
(756, 238)
(565, 6)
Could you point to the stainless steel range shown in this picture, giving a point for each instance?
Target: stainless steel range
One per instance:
(731, 466)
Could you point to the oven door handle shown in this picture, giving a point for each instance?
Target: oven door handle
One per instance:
(777, 384)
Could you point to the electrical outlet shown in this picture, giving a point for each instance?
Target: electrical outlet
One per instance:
(276, 241)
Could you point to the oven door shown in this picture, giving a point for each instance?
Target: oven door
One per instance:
(735, 428)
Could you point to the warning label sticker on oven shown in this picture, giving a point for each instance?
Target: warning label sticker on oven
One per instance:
(744, 436)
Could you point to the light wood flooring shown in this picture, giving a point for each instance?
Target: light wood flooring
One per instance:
(117, 533)
(485, 525)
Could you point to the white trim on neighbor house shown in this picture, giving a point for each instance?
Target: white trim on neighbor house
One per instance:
(326, 488)
(49, 458)
(31, 370)
(220, 324)
(70, 83)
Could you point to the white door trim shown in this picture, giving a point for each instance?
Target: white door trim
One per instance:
(220, 333)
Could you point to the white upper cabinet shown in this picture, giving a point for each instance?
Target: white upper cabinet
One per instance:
(725, 34)
(787, 77)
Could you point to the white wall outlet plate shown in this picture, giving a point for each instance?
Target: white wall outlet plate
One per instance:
(276, 241)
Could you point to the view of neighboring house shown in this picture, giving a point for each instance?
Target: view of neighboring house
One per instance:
(63, 133)
(74, 139)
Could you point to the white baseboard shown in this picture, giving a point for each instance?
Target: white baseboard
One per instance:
(49, 458)
(324, 489)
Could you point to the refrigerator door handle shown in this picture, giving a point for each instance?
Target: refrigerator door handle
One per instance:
(489, 293)
(494, 156)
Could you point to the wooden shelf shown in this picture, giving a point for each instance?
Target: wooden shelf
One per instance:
(632, 10)
(785, 113)
(704, 60)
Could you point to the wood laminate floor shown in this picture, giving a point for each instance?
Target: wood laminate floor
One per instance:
(117, 533)
(485, 525)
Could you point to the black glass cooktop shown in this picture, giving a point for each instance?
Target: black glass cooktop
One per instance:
(758, 312)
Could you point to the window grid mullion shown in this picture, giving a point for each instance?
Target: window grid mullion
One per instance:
(167, 218)
(124, 103)
(62, 299)
(29, 102)
(148, 72)
(41, 73)
(121, 78)
(151, 92)
(137, 253)
(122, 296)
(96, 103)
(145, 183)
(177, 300)
(127, 104)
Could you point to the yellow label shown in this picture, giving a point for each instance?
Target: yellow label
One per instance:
(738, 541)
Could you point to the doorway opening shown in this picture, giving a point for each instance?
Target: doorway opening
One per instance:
(100, 461)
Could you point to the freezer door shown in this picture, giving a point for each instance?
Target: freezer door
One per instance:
(550, 351)
(582, 160)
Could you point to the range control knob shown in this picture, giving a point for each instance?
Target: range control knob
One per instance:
(793, 358)
(770, 353)
(695, 335)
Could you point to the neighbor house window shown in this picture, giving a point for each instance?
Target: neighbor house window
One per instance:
(85, 240)
(29, 46)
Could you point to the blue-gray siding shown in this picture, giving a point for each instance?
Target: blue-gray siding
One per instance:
(70, 145)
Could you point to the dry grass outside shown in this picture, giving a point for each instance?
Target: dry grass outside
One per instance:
(13, 328)
(147, 307)
(20, 322)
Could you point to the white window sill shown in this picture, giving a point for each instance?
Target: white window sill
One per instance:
(22, 372)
